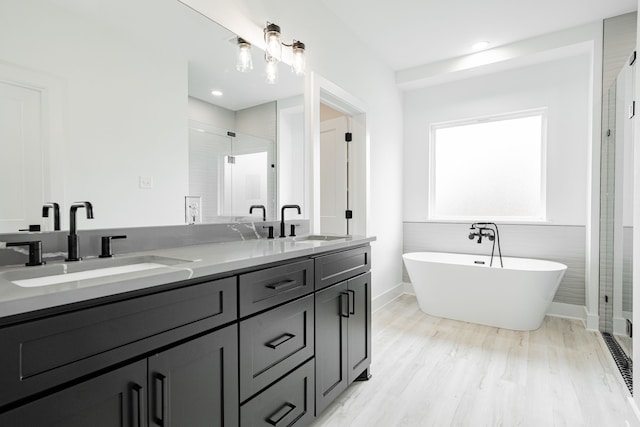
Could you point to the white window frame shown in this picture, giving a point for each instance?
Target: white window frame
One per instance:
(434, 127)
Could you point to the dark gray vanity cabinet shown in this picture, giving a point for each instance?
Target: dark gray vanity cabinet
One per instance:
(194, 384)
(114, 399)
(187, 385)
(343, 337)
(343, 321)
(268, 346)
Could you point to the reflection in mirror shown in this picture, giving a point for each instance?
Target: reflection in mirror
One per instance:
(96, 101)
(230, 171)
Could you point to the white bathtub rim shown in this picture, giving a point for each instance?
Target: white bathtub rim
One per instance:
(451, 257)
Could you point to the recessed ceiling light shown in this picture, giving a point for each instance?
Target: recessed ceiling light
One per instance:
(216, 93)
(480, 45)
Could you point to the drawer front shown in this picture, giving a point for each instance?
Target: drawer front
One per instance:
(289, 402)
(339, 266)
(273, 343)
(43, 353)
(262, 289)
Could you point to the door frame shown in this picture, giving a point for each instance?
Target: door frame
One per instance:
(321, 90)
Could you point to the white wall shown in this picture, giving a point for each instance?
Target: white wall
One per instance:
(106, 79)
(562, 86)
(330, 53)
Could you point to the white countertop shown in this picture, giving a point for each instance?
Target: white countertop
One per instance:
(187, 262)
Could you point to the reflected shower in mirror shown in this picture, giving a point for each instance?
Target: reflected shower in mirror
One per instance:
(616, 214)
(97, 99)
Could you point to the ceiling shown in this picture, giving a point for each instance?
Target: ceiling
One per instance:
(409, 33)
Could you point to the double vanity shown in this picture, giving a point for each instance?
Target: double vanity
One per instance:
(250, 333)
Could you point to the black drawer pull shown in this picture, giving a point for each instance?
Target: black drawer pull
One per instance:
(281, 285)
(344, 311)
(136, 408)
(279, 415)
(352, 302)
(280, 340)
(161, 404)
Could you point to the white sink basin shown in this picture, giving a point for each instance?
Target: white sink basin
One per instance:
(83, 275)
(54, 274)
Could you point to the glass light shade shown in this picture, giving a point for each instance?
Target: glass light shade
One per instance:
(272, 41)
(298, 63)
(272, 71)
(244, 62)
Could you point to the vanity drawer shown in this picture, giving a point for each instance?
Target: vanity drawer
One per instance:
(289, 402)
(340, 266)
(262, 289)
(43, 353)
(273, 343)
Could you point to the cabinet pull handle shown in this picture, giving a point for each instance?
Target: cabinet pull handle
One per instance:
(352, 302)
(281, 285)
(161, 406)
(136, 408)
(279, 415)
(280, 340)
(344, 311)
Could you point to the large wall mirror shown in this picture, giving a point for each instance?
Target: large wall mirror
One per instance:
(111, 102)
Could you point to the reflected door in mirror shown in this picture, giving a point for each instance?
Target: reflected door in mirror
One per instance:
(21, 144)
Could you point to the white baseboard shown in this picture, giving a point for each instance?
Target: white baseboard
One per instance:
(386, 297)
(572, 311)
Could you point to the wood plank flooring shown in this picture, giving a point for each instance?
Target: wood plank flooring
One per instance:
(429, 371)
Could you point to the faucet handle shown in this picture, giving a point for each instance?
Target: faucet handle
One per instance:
(270, 227)
(106, 245)
(35, 251)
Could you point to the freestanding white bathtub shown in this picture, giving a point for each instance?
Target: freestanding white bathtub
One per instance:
(460, 287)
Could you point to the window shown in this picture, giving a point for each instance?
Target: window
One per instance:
(489, 168)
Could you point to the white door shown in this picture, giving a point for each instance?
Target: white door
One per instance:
(333, 176)
(21, 158)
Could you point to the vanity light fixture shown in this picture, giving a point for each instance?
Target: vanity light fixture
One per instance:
(298, 63)
(273, 49)
(244, 62)
(273, 53)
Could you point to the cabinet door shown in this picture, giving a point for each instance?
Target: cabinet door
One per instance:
(196, 383)
(331, 344)
(359, 347)
(115, 399)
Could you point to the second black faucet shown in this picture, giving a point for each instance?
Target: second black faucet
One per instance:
(72, 239)
(282, 227)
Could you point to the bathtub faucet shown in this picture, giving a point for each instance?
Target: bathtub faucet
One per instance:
(490, 231)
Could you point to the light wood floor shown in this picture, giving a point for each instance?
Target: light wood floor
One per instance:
(429, 371)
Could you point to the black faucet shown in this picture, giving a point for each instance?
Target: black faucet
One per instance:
(282, 234)
(72, 239)
(490, 231)
(56, 213)
(264, 211)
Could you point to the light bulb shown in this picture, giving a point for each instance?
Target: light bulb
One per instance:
(272, 42)
(298, 63)
(272, 71)
(244, 62)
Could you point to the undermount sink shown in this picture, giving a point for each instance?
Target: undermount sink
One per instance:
(318, 237)
(90, 269)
